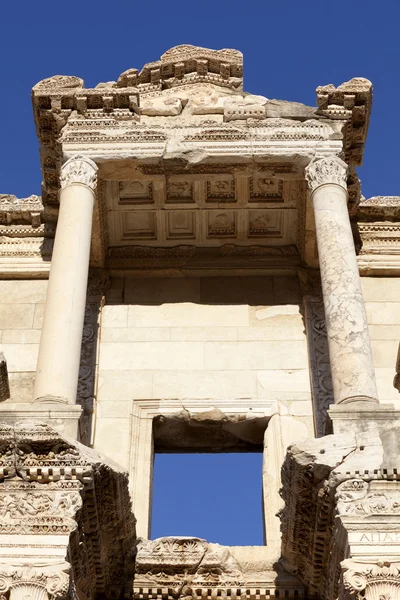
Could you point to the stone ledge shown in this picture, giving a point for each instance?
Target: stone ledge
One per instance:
(64, 418)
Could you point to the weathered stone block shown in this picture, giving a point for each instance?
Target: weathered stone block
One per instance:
(23, 291)
(204, 384)
(16, 316)
(21, 357)
(256, 355)
(187, 315)
(114, 316)
(152, 355)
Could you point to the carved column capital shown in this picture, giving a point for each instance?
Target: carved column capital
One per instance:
(372, 580)
(328, 170)
(39, 582)
(79, 169)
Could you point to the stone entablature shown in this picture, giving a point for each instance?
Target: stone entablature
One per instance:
(59, 498)
(171, 567)
(177, 168)
(190, 105)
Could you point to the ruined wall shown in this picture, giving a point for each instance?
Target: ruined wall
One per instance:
(211, 337)
(21, 315)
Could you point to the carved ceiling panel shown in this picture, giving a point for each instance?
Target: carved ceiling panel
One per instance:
(208, 210)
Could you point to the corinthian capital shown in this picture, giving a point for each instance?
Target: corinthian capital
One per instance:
(42, 582)
(370, 580)
(330, 169)
(79, 169)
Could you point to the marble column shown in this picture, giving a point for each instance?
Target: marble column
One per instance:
(350, 352)
(60, 344)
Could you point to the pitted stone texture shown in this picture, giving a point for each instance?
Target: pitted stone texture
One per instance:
(350, 351)
(189, 567)
(59, 498)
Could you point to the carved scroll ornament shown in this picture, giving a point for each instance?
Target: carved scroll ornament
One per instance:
(373, 581)
(79, 169)
(326, 170)
(45, 583)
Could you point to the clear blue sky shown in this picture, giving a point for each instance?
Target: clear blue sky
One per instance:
(290, 47)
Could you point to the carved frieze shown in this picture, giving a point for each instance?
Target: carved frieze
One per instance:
(191, 567)
(58, 497)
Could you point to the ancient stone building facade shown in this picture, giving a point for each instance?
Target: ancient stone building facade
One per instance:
(200, 273)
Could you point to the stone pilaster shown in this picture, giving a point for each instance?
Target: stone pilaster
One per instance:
(350, 352)
(60, 344)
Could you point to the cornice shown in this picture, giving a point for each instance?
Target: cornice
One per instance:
(379, 208)
(350, 102)
(29, 210)
(138, 114)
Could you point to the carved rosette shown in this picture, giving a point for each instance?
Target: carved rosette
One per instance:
(373, 581)
(329, 170)
(79, 169)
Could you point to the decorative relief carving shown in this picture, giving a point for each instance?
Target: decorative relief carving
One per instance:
(50, 582)
(136, 192)
(26, 247)
(329, 170)
(372, 580)
(13, 209)
(181, 225)
(188, 567)
(357, 497)
(58, 497)
(351, 101)
(97, 285)
(265, 224)
(179, 191)
(57, 82)
(221, 224)
(79, 169)
(321, 377)
(396, 380)
(265, 189)
(221, 190)
(4, 383)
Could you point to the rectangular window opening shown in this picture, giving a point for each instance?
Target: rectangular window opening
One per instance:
(213, 496)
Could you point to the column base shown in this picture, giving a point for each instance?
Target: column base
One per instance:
(51, 400)
(359, 400)
(362, 416)
(64, 418)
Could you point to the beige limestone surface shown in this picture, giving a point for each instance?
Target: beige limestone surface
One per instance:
(207, 338)
(21, 310)
(382, 304)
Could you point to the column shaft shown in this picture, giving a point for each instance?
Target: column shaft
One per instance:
(350, 352)
(60, 344)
